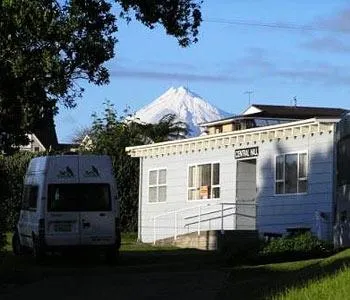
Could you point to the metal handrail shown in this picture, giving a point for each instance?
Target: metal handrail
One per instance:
(209, 219)
(175, 212)
(207, 213)
(199, 215)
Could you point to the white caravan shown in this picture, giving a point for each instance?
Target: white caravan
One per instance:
(69, 201)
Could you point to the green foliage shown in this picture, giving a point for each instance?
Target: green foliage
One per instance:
(168, 128)
(294, 247)
(12, 171)
(47, 46)
(180, 18)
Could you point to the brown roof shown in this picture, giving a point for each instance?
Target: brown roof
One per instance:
(297, 112)
(285, 112)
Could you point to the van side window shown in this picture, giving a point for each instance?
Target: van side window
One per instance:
(30, 196)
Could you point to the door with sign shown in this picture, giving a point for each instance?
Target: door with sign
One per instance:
(246, 194)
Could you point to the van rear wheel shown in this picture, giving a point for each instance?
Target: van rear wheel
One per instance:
(38, 249)
(17, 248)
(112, 255)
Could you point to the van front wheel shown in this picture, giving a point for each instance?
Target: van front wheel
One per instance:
(17, 248)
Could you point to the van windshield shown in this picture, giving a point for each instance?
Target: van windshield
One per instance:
(79, 197)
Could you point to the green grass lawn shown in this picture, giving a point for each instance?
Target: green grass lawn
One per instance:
(332, 282)
(309, 279)
(332, 287)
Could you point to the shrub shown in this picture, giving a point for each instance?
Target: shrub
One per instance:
(12, 171)
(296, 247)
(3, 190)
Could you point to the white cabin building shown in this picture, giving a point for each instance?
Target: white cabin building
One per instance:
(272, 169)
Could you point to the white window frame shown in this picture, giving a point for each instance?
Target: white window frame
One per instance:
(157, 185)
(197, 186)
(306, 178)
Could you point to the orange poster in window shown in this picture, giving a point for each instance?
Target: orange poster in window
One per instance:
(203, 192)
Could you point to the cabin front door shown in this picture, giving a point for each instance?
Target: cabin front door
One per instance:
(246, 194)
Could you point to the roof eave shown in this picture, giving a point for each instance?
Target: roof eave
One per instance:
(240, 132)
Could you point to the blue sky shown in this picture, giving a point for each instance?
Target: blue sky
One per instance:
(277, 49)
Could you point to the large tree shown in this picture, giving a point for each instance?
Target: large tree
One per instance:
(48, 46)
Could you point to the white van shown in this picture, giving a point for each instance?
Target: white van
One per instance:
(69, 201)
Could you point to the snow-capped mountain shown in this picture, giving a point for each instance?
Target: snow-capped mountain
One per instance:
(186, 105)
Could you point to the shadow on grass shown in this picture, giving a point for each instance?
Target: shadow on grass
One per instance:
(267, 281)
(19, 270)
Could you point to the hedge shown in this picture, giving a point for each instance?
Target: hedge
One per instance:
(12, 171)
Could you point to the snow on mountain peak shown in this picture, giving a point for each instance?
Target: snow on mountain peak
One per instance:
(186, 105)
(180, 92)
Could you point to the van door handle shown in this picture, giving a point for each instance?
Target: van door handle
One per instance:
(102, 214)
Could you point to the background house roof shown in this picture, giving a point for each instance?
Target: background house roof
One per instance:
(294, 112)
(282, 112)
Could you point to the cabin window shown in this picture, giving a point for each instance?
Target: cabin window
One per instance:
(157, 186)
(250, 124)
(204, 181)
(237, 126)
(218, 129)
(30, 197)
(291, 173)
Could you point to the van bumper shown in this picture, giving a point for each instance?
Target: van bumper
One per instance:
(57, 245)
(53, 243)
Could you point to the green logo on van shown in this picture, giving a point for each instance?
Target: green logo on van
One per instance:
(93, 172)
(66, 173)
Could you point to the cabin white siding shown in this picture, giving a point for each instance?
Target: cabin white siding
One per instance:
(278, 212)
(275, 213)
(177, 190)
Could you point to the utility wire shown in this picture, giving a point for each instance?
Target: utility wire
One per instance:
(289, 26)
